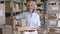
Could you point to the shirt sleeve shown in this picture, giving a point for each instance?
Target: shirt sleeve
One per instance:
(38, 21)
(20, 16)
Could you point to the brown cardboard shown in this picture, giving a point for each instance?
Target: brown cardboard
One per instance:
(51, 10)
(8, 29)
(21, 22)
(7, 7)
(54, 21)
(16, 7)
(22, 28)
(51, 16)
(2, 14)
(9, 21)
(38, 1)
(24, 0)
(1, 31)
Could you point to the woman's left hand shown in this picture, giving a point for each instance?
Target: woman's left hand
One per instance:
(30, 29)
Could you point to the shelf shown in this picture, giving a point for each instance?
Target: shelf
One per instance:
(1, 0)
(5, 0)
(8, 14)
(41, 3)
(40, 8)
(16, 11)
(17, 1)
(8, 0)
(50, 16)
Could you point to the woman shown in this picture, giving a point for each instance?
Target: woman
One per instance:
(32, 18)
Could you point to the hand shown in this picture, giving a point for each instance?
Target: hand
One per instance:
(30, 29)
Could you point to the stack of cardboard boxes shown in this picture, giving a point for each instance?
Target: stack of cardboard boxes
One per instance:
(2, 13)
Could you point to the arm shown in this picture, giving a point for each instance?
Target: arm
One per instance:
(15, 18)
(14, 23)
(20, 16)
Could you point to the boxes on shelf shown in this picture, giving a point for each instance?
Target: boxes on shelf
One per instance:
(53, 7)
(1, 31)
(21, 25)
(7, 7)
(24, 7)
(52, 16)
(8, 29)
(24, 0)
(53, 23)
(22, 28)
(16, 7)
(2, 13)
(9, 21)
(58, 23)
(21, 22)
(38, 1)
(7, 0)
(18, 1)
(52, 31)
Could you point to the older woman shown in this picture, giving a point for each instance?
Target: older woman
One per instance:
(32, 18)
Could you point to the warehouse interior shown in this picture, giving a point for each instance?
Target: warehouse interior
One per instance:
(48, 10)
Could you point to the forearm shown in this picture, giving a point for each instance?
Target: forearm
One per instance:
(14, 22)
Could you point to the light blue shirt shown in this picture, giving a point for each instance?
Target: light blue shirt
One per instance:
(31, 19)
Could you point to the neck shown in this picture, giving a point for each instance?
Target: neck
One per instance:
(30, 11)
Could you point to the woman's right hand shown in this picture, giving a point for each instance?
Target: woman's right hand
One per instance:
(29, 29)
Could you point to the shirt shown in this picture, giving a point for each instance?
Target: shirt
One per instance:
(31, 19)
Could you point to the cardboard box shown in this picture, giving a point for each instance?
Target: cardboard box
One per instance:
(22, 28)
(17, 32)
(7, 4)
(53, 8)
(38, 1)
(52, 16)
(8, 29)
(1, 31)
(2, 14)
(7, 7)
(24, 7)
(25, 0)
(9, 21)
(21, 22)
(53, 23)
(16, 7)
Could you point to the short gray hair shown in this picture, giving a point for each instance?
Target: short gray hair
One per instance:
(34, 4)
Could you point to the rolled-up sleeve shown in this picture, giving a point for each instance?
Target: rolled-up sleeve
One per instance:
(20, 16)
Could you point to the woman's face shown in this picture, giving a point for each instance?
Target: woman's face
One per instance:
(30, 7)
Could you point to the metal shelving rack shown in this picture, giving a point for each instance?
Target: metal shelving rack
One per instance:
(53, 8)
